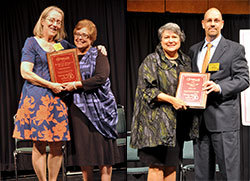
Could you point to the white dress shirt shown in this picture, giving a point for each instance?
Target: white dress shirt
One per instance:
(202, 52)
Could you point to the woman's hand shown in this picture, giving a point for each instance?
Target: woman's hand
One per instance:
(179, 104)
(102, 49)
(57, 87)
(28, 74)
(71, 86)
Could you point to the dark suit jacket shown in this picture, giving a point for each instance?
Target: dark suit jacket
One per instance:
(223, 110)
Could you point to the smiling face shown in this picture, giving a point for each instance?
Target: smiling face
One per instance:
(52, 24)
(82, 39)
(212, 24)
(170, 42)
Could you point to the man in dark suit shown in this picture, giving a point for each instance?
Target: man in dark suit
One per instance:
(219, 138)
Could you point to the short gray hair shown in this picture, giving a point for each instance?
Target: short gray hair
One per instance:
(171, 27)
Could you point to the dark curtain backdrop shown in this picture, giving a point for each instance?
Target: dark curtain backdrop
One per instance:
(141, 30)
(17, 20)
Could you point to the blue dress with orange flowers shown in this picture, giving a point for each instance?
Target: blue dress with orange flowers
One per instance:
(41, 114)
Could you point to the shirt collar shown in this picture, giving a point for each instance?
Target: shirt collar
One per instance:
(215, 42)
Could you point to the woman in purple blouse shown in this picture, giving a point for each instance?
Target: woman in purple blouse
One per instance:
(92, 108)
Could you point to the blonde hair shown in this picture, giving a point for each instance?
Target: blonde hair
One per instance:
(38, 28)
(85, 23)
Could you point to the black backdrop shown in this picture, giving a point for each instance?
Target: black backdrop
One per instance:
(17, 20)
(141, 31)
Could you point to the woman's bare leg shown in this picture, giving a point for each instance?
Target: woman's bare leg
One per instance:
(170, 174)
(39, 159)
(161, 173)
(106, 172)
(155, 173)
(87, 173)
(54, 160)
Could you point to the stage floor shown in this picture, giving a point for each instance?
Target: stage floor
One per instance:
(117, 175)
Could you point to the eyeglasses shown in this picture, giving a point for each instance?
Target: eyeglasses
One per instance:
(213, 20)
(53, 20)
(83, 35)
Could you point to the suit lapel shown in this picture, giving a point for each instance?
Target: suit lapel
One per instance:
(220, 50)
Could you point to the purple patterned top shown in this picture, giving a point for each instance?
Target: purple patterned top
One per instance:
(99, 104)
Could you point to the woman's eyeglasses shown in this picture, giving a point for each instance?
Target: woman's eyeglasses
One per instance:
(83, 35)
(53, 20)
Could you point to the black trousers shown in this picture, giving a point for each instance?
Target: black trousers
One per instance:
(223, 147)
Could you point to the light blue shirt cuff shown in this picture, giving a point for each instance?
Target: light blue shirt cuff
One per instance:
(219, 88)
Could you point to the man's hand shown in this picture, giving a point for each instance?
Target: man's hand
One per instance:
(210, 86)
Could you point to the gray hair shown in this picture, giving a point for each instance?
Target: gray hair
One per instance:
(172, 27)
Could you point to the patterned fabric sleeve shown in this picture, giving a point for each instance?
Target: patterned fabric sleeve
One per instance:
(28, 53)
(100, 76)
(148, 81)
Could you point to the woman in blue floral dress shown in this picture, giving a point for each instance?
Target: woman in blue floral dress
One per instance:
(42, 115)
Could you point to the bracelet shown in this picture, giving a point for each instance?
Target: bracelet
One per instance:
(74, 85)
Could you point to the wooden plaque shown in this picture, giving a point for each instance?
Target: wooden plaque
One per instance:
(64, 66)
(190, 89)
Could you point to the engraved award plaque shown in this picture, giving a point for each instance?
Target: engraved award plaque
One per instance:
(64, 66)
(190, 89)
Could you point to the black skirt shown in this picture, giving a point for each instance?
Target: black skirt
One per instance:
(87, 146)
(161, 155)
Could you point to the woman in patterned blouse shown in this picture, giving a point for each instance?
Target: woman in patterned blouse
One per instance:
(154, 129)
